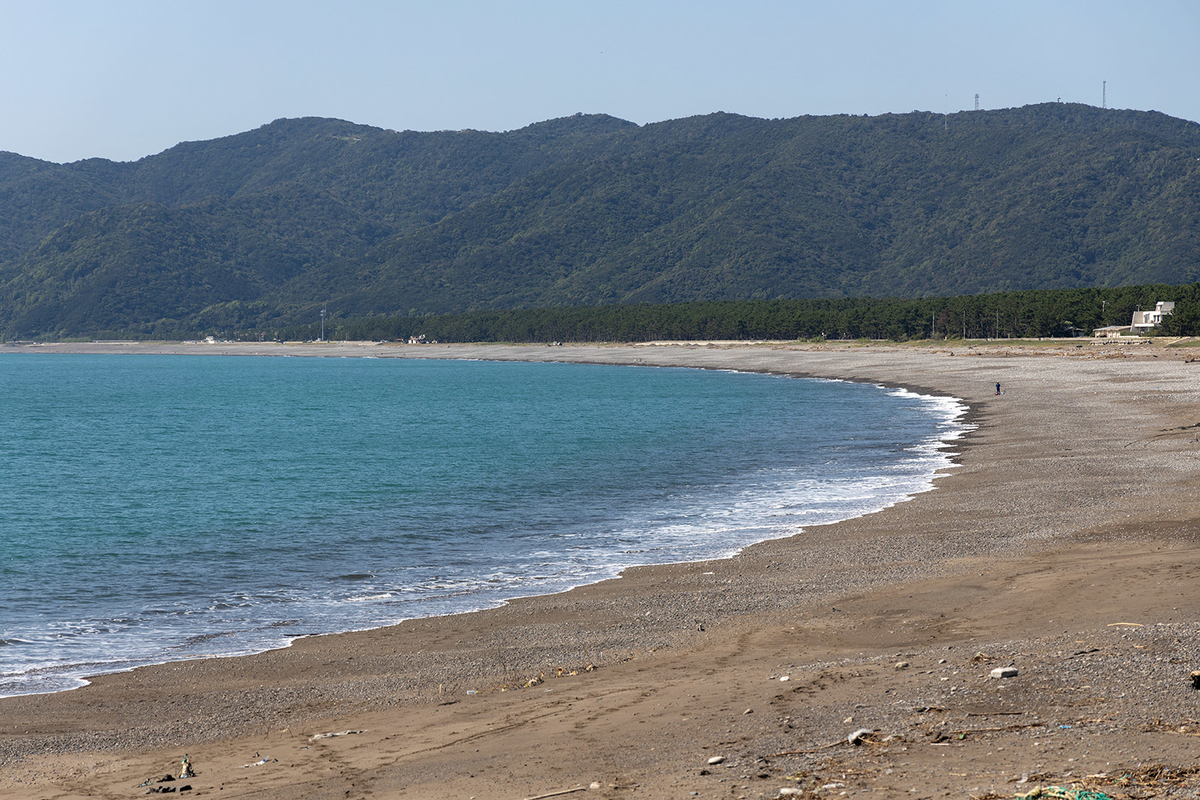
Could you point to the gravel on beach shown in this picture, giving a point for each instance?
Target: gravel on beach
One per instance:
(1064, 544)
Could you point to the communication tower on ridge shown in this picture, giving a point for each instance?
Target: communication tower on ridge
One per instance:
(977, 101)
(1104, 94)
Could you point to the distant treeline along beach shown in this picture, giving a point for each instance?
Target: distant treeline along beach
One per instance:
(1032, 314)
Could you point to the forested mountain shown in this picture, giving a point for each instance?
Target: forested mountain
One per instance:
(264, 228)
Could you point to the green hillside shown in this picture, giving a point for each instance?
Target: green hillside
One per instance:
(261, 229)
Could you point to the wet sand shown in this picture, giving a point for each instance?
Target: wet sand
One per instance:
(1065, 544)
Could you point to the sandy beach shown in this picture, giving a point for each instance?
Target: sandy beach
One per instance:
(1065, 544)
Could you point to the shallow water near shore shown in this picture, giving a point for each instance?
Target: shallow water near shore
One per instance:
(167, 507)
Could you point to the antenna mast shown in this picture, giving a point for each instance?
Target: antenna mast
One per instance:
(1104, 94)
(977, 101)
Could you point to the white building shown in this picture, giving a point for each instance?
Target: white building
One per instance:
(1145, 320)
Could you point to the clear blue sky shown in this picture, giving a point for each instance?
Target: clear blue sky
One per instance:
(123, 79)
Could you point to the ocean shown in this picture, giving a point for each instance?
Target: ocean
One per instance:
(159, 508)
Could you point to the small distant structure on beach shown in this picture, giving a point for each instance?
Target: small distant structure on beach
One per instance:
(417, 339)
(1143, 321)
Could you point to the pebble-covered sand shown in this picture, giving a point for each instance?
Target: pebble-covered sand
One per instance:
(1063, 544)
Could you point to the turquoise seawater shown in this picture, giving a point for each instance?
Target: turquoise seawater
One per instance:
(157, 508)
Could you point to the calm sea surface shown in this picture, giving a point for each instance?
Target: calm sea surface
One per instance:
(156, 508)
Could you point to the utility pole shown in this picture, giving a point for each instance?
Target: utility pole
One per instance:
(322, 323)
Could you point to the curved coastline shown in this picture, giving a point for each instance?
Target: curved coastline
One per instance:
(936, 448)
(1085, 460)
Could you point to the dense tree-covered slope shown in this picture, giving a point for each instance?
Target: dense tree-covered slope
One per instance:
(265, 227)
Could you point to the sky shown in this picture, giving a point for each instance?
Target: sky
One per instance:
(123, 79)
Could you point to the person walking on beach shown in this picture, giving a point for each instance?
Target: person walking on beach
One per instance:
(997, 387)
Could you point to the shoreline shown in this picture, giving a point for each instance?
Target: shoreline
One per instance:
(1087, 458)
(949, 441)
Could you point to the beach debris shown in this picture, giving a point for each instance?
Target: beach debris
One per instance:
(472, 692)
(790, 791)
(838, 743)
(1064, 793)
(563, 671)
(316, 736)
(163, 779)
(965, 732)
(259, 763)
(1125, 625)
(185, 768)
(716, 760)
(785, 677)
(580, 788)
(534, 681)
(1196, 679)
(1003, 672)
(857, 737)
(902, 665)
